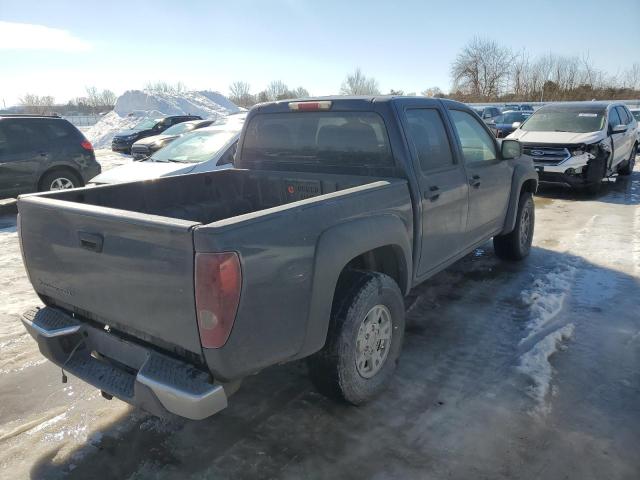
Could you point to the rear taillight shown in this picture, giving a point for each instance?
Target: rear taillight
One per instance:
(86, 144)
(218, 280)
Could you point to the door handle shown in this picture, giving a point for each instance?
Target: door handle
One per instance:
(475, 181)
(43, 154)
(433, 193)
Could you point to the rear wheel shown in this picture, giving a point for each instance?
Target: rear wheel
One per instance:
(60, 180)
(364, 339)
(517, 244)
(627, 169)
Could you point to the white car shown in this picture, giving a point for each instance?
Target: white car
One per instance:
(577, 144)
(203, 150)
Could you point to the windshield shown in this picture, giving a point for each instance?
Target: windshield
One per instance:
(510, 117)
(558, 119)
(196, 147)
(331, 138)
(636, 114)
(179, 129)
(146, 124)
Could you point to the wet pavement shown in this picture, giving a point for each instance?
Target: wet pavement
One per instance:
(509, 370)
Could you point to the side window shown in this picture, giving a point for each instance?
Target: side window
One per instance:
(477, 144)
(229, 155)
(429, 137)
(614, 118)
(55, 129)
(622, 113)
(21, 137)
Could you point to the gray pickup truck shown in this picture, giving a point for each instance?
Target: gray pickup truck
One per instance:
(166, 293)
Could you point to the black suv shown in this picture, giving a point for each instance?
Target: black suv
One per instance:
(122, 141)
(40, 153)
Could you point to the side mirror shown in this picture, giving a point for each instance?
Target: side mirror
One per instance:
(516, 124)
(619, 129)
(510, 149)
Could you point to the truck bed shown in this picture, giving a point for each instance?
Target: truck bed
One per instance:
(213, 196)
(123, 255)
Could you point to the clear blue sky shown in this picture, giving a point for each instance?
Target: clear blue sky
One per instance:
(208, 44)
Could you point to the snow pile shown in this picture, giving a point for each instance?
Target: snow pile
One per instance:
(205, 103)
(101, 133)
(535, 364)
(134, 106)
(546, 297)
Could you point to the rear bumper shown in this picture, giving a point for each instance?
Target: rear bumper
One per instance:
(121, 146)
(132, 372)
(139, 153)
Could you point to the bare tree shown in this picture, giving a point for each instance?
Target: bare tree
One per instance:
(300, 92)
(108, 98)
(277, 90)
(240, 94)
(165, 87)
(36, 104)
(482, 68)
(631, 77)
(359, 84)
(433, 92)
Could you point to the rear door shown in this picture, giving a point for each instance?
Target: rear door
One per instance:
(489, 177)
(629, 135)
(22, 151)
(131, 271)
(619, 140)
(442, 182)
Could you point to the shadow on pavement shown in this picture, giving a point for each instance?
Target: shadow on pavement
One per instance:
(456, 407)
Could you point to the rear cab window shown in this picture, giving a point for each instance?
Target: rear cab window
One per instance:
(328, 138)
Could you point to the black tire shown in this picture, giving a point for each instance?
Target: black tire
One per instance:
(333, 369)
(48, 179)
(630, 163)
(516, 245)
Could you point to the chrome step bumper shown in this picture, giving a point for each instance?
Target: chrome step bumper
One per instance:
(135, 374)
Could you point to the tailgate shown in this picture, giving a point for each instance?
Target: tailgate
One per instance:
(128, 270)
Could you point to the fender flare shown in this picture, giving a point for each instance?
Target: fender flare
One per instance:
(521, 174)
(335, 248)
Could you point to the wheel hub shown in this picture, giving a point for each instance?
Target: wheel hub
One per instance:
(373, 341)
(61, 183)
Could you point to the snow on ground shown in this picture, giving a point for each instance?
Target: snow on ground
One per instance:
(536, 364)
(133, 106)
(109, 159)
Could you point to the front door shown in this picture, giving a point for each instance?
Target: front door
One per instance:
(488, 176)
(443, 186)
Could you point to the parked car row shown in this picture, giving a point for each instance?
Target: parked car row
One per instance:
(124, 140)
(203, 146)
(39, 153)
(489, 113)
(575, 144)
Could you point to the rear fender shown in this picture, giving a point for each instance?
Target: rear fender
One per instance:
(335, 248)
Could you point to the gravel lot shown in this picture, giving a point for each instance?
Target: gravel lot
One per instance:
(527, 370)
